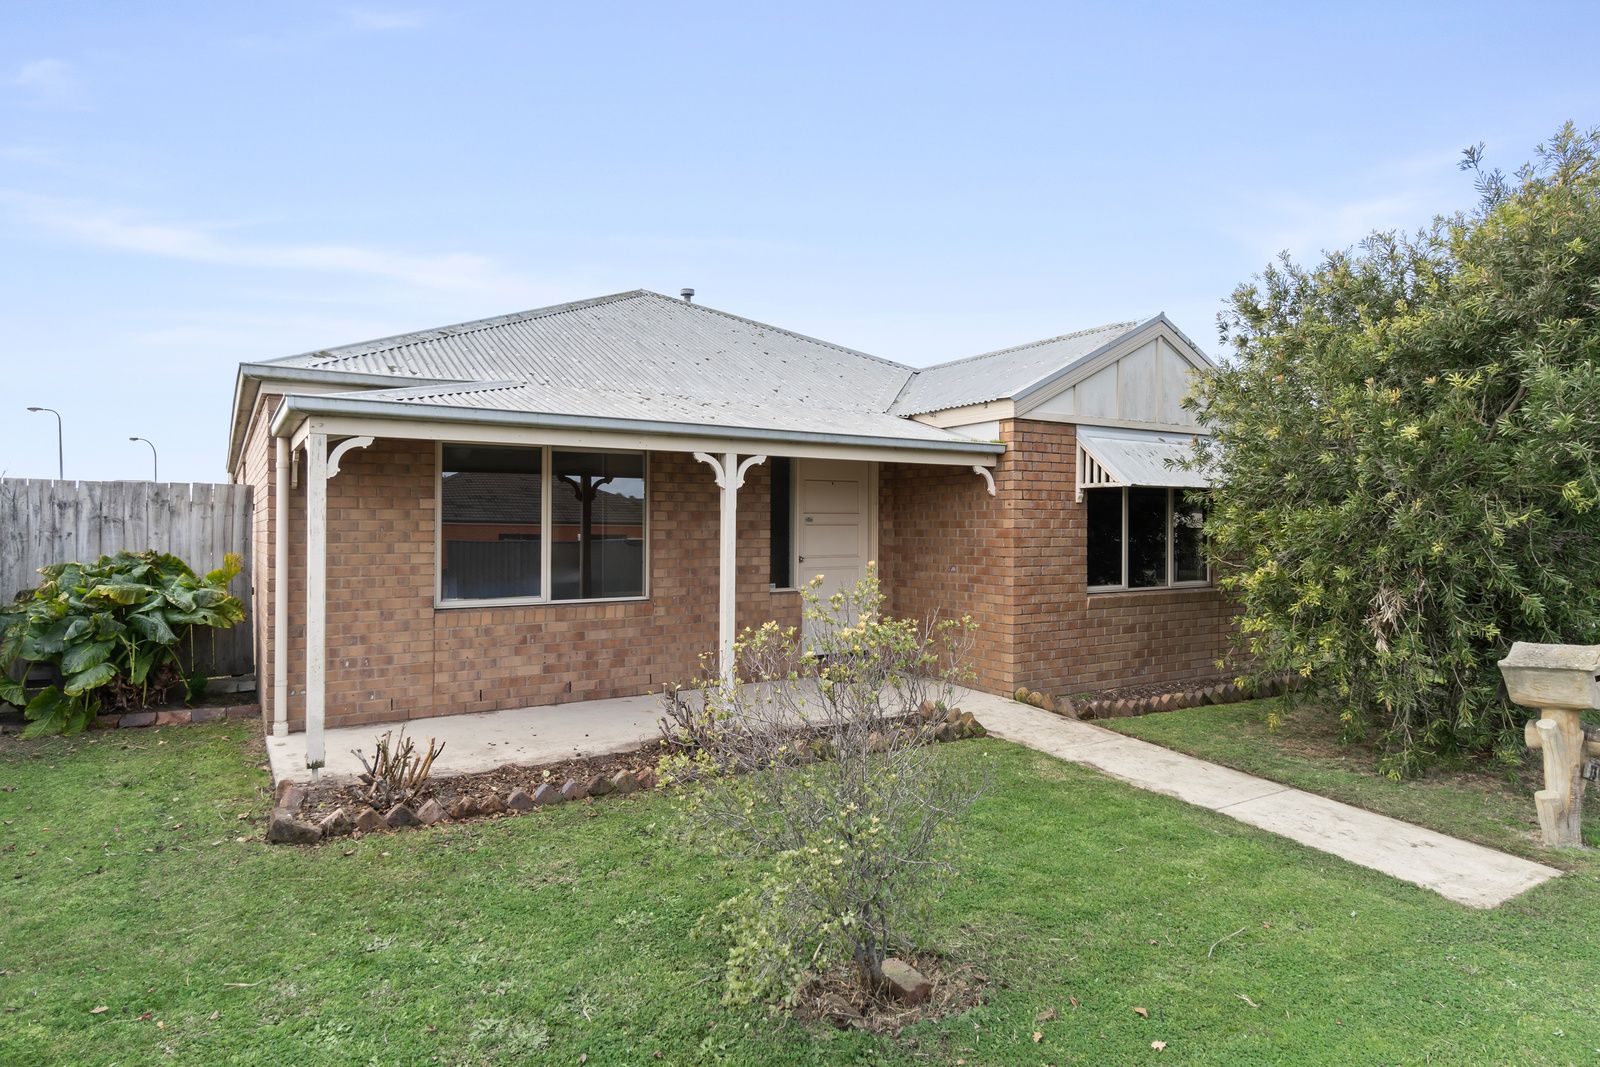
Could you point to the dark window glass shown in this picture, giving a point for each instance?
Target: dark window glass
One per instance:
(597, 525)
(1188, 537)
(489, 522)
(1147, 538)
(1105, 536)
(782, 569)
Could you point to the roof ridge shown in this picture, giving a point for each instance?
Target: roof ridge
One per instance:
(1124, 326)
(779, 329)
(401, 340)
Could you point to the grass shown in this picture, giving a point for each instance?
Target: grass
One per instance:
(1491, 804)
(128, 880)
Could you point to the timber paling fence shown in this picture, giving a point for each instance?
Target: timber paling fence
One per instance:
(45, 521)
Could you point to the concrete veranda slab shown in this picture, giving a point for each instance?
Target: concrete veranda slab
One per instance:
(486, 740)
(1458, 870)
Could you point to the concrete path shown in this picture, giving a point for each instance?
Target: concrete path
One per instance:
(487, 740)
(1459, 870)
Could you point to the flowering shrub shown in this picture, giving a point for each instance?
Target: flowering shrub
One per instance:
(814, 762)
(1407, 457)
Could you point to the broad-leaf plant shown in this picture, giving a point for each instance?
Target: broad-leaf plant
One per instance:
(113, 629)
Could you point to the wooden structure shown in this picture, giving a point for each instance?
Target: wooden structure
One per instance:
(1562, 681)
(43, 521)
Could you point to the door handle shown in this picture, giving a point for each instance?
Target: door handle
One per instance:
(802, 559)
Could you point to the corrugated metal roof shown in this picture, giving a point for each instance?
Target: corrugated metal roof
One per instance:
(1143, 457)
(758, 405)
(639, 343)
(1003, 374)
(646, 357)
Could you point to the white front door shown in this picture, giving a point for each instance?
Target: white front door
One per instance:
(836, 522)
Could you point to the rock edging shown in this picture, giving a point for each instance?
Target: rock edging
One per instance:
(1177, 699)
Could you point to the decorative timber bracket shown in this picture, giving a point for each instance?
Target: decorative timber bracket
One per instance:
(341, 448)
(987, 476)
(719, 467)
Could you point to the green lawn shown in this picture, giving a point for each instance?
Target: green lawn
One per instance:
(1488, 803)
(546, 937)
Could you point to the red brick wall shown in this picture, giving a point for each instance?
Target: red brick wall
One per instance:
(392, 655)
(1014, 561)
(944, 549)
(1020, 559)
(256, 468)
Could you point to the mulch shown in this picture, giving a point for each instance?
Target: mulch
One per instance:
(837, 998)
(325, 797)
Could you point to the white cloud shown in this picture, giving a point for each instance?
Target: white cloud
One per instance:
(101, 227)
(51, 83)
(1403, 195)
(373, 19)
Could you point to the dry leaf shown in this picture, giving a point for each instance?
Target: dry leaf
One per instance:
(97, 1011)
(1037, 1037)
(1045, 1016)
(1143, 1013)
(1247, 1000)
(145, 1016)
(214, 1016)
(1158, 1045)
(1073, 1001)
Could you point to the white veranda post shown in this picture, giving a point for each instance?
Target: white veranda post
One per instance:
(280, 592)
(730, 476)
(320, 466)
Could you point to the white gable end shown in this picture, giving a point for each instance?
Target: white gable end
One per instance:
(1141, 383)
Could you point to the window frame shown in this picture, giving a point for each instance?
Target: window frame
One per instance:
(1172, 544)
(546, 526)
(794, 529)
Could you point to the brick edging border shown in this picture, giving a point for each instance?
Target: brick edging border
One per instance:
(176, 716)
(1127, 707)
(286, 827)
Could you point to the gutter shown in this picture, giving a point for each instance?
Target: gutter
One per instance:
(296, 407)
(251, 374)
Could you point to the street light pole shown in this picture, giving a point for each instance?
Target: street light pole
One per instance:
(61, 463)
(155, 462)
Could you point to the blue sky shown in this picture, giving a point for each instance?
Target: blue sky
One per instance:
(185, 186)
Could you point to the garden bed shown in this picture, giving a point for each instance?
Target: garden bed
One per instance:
(307, 814)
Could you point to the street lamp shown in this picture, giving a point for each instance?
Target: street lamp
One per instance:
(61, 465)
(155, 468)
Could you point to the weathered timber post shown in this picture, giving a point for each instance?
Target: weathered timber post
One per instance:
(1562, 681)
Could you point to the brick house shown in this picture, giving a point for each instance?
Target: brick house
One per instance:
(577, 502)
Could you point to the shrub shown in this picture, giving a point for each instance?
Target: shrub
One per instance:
(112, 629)
(1405, 448)
(814, 764)
(397, 772)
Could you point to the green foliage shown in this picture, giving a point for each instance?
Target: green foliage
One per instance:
(1405, 447)
(814, 763)
(113, 629)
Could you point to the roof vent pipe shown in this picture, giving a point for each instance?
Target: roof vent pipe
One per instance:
(687, 294)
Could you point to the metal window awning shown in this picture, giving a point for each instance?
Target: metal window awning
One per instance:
(1109, 457)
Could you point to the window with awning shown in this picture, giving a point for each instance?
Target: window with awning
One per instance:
(1112, 457)
(1144, 514)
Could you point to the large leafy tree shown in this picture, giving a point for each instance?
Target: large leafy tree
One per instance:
(1405, 445)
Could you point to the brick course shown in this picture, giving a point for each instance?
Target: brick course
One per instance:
(1017, 561)
(1014, 561)
(392, 655)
